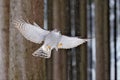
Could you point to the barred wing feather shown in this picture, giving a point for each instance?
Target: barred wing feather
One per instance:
(31, 32)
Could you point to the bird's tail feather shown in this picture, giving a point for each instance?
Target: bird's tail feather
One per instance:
(41, 53)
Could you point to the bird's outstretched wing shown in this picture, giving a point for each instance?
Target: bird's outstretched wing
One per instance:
(31, 32)
(70, 42)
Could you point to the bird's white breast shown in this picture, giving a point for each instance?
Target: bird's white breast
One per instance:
(52, 39)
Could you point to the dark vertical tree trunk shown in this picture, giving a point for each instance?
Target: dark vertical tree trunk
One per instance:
(102, 40)
(63, 53)
(49, 62)
(100, 59)
(4, 39)
(56, 56)
(81, 30)
(50, 14)
(59, 58)
(37, 69)
(66, 30)
(83, 34)
(77, 33)
(23, 66)
(106, 29)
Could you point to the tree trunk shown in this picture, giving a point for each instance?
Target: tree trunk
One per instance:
(17, 46)
(49, 62)
(102, 41)
(56, 56)
(59, 58)
(83, 34)
(23, 66)
(4, 39)
(106, 29)
(100, 64)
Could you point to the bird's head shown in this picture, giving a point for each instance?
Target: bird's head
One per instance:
(55, 31)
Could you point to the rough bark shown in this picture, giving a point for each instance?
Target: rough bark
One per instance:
(59, 58)
(23, 66)
(102, 40)
(83, 34)
(17, 47)
(106, 29)
(100, 64)
(65, 29)
(4, 39)
(77, 33)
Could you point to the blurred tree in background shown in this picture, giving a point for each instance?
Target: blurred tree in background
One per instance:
(22, 65)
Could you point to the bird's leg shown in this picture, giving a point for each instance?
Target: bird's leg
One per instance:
(48, 48)
(59, 45)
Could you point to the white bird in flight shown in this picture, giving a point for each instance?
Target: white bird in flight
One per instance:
(52, 39)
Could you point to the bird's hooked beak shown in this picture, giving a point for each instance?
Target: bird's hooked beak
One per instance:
(56, 30)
